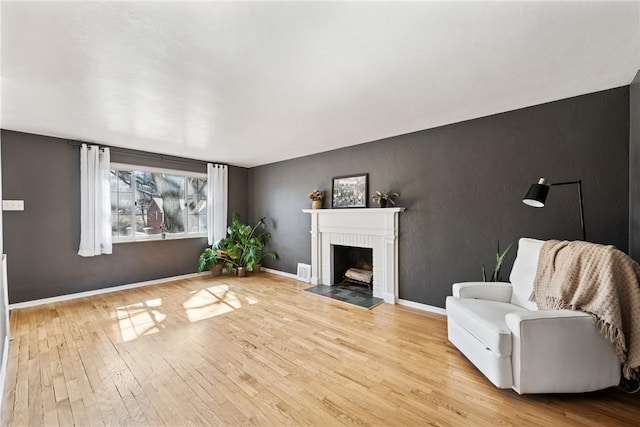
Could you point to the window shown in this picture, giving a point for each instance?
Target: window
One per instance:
(147, 201)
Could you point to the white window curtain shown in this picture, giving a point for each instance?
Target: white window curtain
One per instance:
(95, 201)
(217, 179)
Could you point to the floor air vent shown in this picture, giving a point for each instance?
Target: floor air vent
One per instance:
(304, 272)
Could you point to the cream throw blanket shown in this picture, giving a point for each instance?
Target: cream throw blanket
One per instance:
(596, 279)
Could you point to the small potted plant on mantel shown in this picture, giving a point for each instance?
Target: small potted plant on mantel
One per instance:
(383, 198)
(316, 197)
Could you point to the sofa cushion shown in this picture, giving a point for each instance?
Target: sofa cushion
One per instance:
(524, 271)
(484, 320)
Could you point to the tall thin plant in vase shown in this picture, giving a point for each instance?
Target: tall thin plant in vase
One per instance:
(496, 276)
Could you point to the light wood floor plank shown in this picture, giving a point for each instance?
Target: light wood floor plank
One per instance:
(260, 351)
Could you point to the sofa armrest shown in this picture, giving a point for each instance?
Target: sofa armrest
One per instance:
(494, 291)
(553, 322)
(560, 351)
(515, 319)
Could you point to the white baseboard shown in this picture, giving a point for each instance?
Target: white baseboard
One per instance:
(417, 305)
(68, 297)
(279, 273)
(425, 307)
(103, 291)
(3, 367)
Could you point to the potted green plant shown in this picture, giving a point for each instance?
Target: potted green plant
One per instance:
(212, 259)
(383, 198)
(253, 244)
(243, 247)
(256, 253)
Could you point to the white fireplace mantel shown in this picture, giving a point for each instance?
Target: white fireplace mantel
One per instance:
(375, 228)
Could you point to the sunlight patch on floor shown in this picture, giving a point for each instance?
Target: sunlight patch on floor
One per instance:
(211, 302)
(140, 319)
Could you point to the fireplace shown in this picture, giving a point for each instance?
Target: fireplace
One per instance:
(374, 228)
(347, 258)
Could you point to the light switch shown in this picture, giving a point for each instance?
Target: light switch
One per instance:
(13, 205)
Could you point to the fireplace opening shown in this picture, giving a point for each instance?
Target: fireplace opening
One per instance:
(353, 265)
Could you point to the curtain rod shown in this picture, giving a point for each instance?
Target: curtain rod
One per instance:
(146, 155)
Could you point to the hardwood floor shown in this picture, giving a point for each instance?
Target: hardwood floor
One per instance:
(259, 351)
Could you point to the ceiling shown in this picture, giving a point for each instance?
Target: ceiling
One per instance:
(251, 83)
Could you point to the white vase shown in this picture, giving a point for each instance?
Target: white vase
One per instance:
(316, 204)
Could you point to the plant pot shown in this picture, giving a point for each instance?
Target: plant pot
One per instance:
(383, 203)
(257, 268)
(316, 204)
(216, 270)
(241, 271)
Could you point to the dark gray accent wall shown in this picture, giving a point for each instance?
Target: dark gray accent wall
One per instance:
(238, 199)
(1, 198)
(634, 168)
(4, 328)
(463, 186)
(42, 241)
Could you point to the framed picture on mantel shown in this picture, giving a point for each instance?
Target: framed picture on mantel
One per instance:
(350, 191)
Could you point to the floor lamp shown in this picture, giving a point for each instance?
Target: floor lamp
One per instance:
(538, 194)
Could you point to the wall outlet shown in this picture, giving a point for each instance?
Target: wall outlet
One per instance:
(13, 205)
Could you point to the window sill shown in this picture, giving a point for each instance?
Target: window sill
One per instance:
(154, 238)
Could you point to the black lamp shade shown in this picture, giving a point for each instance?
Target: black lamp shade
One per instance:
(536, 196)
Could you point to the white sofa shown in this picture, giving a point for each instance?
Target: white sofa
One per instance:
(516, 346)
